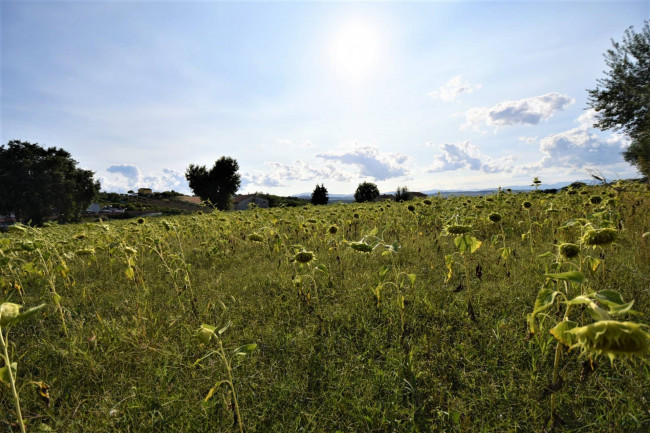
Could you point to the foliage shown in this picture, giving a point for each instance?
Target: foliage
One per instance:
(218, 184)
(622, 99)
(38, 182)
(319, 196)
(402, 194)
(366, 192)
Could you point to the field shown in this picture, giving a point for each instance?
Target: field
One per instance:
(381, 317)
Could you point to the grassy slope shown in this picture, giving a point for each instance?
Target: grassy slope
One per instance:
(328, 358)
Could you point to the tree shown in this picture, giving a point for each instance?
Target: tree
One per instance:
(622, 99)
(366, 191)
(218, 184)
(402, 194)
(38, 183)
(319, 196)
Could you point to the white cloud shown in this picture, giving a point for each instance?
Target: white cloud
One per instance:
(464, 155)
(580, 147)
(298, 171)
(126, 177)
(454, 87)
(528, 111)
(371, 162)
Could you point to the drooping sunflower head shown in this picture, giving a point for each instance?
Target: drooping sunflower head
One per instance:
(569, 250)
(304, 257)
(458, 229)
(494, 217)
(604, 236)
(612, 338)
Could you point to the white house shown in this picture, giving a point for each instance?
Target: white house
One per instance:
(241, 202)
(93, 208)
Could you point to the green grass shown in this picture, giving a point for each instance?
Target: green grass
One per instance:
(327, 359)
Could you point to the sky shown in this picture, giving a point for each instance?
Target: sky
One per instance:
(428, 95)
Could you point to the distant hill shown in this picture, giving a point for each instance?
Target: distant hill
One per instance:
(452, 192)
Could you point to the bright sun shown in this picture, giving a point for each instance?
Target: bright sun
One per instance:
(355, 50)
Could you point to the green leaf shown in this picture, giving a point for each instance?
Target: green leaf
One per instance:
(617, 310)
(361, 246)
(373, 232)
(582, 299)
(609, 297)
(27, 314)
(322, 268)
(545, 298)
(245, 349)
(466, 243)
(596, 312)
(562, 334)
(382, 272)
(593, 263)
(4, 372)
(206, 332)
(572, 276)
(545, 255)
(411, 278)
(505, 252)
(130, 273)
(210, 394)
(222, 330)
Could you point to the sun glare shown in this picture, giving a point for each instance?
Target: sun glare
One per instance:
(355, 50)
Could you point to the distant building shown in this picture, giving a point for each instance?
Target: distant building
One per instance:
(241, 202)
(145, 191)
(94, 208)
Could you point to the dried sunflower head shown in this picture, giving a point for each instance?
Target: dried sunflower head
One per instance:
(304, 257)
(457, 229)
(612, 338)
(603, 236)
(569, 250)
(494, 217)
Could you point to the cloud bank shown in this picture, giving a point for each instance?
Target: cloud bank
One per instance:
(528, 111)
(126, 177)
(371, 163)
(280, 174)
(466, 156)
(581, 147)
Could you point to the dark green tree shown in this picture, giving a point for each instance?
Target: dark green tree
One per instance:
(366, 191)
(402, 194)
(218, 184)
(38, 183)
(622, 99)
(320, 195)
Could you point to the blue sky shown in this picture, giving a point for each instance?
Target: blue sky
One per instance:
(428, 95)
